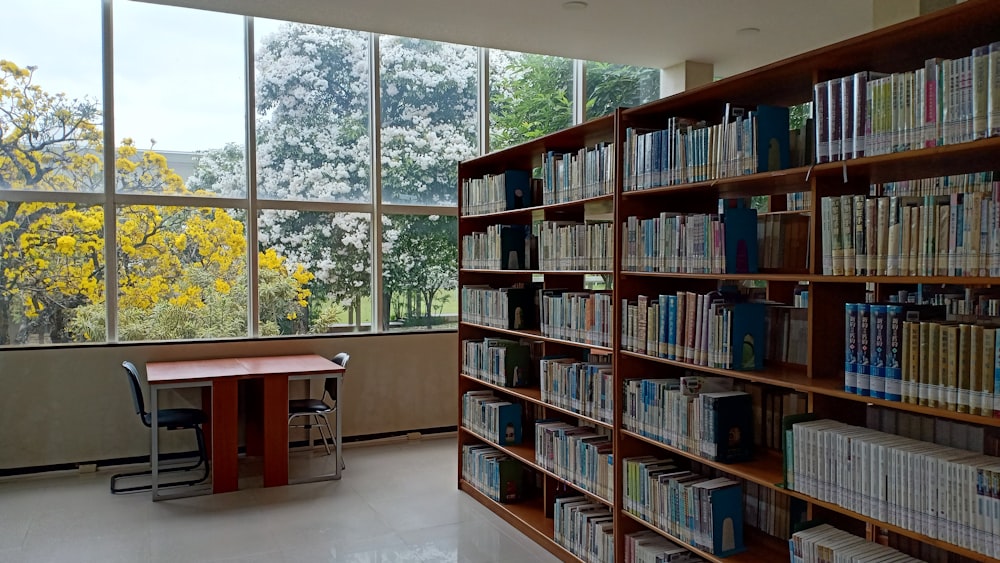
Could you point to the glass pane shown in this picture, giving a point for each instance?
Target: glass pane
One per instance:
(610, 86)
(313, 112)
(179, 110)
(530, 96)
(182, 273)
(429, 110)
(420, 272)
(315, 272)
(52, 273)
(54, 47)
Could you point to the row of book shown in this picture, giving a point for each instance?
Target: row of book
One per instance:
(492, 418)
(945, 493)
(798, 201)
(770, 406)
(585, 528)
(948, 101)
(824, 543)
(956, 235)
(696, 509)
(571, 176)
(584, 387)
(501, 247)
(696, 414)
(787, 332)
(510, 189)
(691, 244)
(564, 245)
(647, 546)
(940, 431)
(500, 361)
(492, 472)
(714, 330)
(511, 308)
(689, 150)
(577, 316)
(783, 242)
(579, 454)
(923, 360)
(984, 182)
(770, 511)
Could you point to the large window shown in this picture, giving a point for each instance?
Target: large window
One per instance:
(530, 96)
(332, 219)
(610, 86)
(51, 170)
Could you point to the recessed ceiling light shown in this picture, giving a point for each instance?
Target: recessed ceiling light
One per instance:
(575, 5)
(747, 31)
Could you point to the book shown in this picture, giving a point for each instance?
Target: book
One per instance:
(729, 420)
(772, 138)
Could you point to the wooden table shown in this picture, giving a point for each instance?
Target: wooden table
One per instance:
(221, 377)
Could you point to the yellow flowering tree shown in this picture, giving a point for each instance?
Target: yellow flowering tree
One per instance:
(182, 272)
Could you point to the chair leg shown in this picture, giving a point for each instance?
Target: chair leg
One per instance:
(323, 435)
(202, 459)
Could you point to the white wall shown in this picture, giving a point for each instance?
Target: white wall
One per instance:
(73, 405)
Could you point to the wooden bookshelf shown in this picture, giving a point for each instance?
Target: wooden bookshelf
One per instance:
(948, 33)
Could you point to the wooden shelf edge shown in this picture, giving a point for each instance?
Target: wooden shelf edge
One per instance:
(518, 452)
(536, 335)
(520, 393)
(792, 379)
(910, 407)
(958, 550)
(533, 208)
(538, 272)
(789, 174)
(762, 471)
(528, 519)
(764, 276)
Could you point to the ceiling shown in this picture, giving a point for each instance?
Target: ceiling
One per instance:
(654, 33)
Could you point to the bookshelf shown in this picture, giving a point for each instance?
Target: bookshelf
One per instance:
(817, 385)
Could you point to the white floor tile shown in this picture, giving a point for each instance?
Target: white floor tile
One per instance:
(396, 502)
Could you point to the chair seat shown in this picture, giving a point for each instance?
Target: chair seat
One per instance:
(176, 418)
(310, 405)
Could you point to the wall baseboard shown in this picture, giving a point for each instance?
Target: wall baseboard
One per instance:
(349, 441)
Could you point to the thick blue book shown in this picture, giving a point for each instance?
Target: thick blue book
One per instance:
(517, 188)
(893, 370)
(740, 225)
(672, 327)
(772, 138)
(748, 340)
(877, 349)
(851, 347)
(864, 350)
(727, 519)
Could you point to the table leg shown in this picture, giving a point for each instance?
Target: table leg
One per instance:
(275, 431)
(340, 434)
(154, 442)
(225, 439)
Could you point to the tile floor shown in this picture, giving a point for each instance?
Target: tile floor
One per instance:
(396, 503)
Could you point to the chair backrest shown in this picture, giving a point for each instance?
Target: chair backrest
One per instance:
(341, 360)
(132, 375)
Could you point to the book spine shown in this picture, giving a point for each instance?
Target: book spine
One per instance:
(894, 353)
(850, 347)
(821, 108)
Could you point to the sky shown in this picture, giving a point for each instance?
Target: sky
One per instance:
(178, 73)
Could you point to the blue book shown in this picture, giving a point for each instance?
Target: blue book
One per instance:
(508, 424)
(863, 352)
(877, 349)
(895, 315)
(727, 519)
(661, 338)
(517, 188)
(772, 138)
(740, 225)
(747, 335)
(851, 347)
(672, 327)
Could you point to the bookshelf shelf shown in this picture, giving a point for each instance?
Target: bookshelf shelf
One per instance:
(818, 336)
(764, 470)
(758, 548)
(537, 335)
(539, 272)
(534, 395)
(525, 453)
(789, 377)
(528, 517)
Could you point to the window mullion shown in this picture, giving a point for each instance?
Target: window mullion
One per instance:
(253, 281)
(375, 86)
(110, 204)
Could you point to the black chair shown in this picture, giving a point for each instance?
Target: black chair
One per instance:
(316, 410)
(171, 419)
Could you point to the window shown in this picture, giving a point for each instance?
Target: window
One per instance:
(420, 271)
(610, 86)
(530, 96)
(51, 219)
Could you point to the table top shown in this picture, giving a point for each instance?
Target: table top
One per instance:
(204, 370)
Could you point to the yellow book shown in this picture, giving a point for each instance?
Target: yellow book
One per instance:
(948, 359)
(976, 369)
(912, 371)
(989, 365)
(928, 362)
